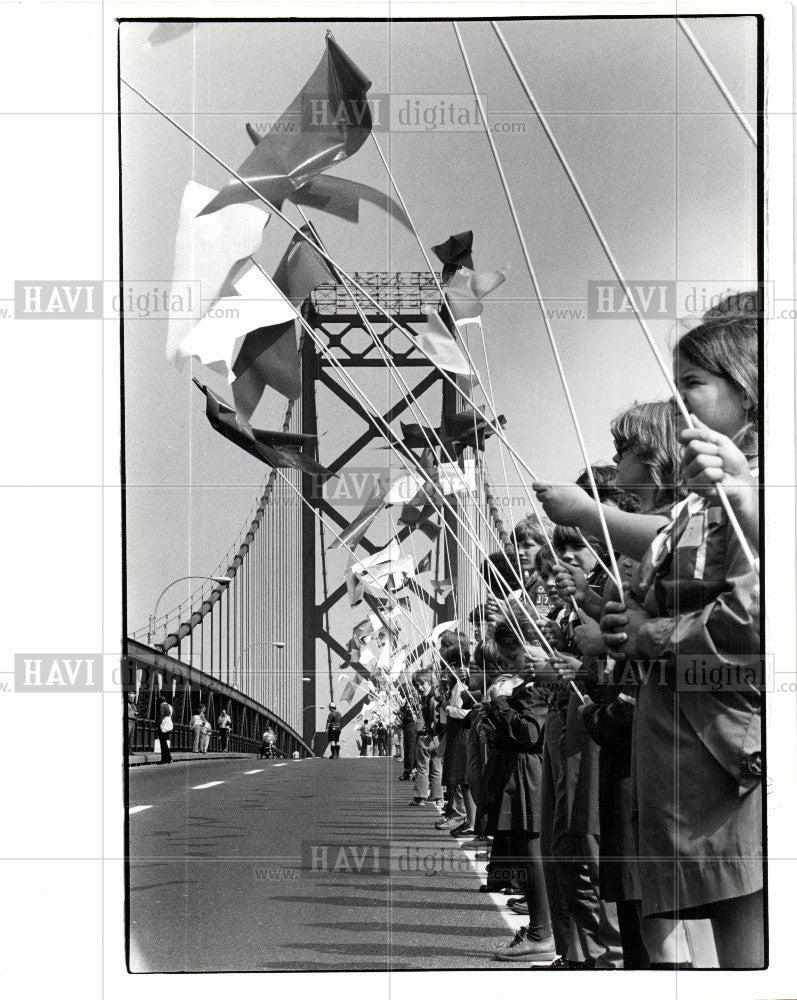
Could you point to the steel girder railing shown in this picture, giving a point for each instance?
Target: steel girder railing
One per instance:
(151, 675)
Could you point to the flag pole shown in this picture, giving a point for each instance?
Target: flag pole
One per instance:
(496, 428)
(490, 401)
(718, 80)
(546, 321)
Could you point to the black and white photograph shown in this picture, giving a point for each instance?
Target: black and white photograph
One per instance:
(420, 466)
(442, 506)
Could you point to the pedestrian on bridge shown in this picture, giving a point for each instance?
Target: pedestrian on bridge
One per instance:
(197, 723)
(334, 723)
(225, 727)
(207, 729)
(365, 738)
(165, 727)
(409, 729)
(429, 765)
(132, 716)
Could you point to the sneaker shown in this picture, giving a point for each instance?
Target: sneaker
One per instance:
(462, 830)
(519, 906)
(404, 777)
(566, 965)
(447, 824)
(523, 949)
(418, 802)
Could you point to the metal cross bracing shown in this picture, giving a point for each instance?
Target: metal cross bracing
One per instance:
(340, 328)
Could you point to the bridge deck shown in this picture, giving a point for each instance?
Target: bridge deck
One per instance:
(229, 872)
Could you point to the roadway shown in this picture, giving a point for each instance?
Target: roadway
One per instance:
(244, 865)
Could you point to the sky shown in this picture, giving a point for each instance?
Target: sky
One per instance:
(666, 167)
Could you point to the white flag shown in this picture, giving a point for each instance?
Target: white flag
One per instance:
(215, 339)
(207, 248)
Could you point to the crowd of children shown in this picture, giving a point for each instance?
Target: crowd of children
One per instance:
(605, 740)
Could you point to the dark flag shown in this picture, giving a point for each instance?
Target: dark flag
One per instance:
(269, 355)
(272, 447)
(469, 429)
(340, 196)
(454, 254)
(334, 120)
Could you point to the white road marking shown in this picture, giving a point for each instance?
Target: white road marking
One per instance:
(258, 771)
(137, 809)
(208, 784)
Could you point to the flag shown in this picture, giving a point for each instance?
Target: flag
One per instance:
(355, 532)
(404, 488)
(468, 429)
(438, 630)
(425, 564)
(207, 250)
(384, 571)
(268, 354)
(442, 588)
(215, 338)
(467, 288)
(362, 630)
(354, 586)
(455, 253)
(456, 480)
(302, 268)
(222, 418)
(334, 120)
(367, 656)
(435, 341)
(340, 196)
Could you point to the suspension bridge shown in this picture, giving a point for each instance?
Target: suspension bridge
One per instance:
(265, 635)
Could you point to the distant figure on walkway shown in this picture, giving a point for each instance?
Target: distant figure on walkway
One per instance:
(365, 738)
(225, 727)
(334, 723)
(267, 743)
(132, 715)
(197, 724)
(165, 727)
(207, 729)
(409, 730)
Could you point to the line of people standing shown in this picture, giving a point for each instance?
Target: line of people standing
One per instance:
(621, 796)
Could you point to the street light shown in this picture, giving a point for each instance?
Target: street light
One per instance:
(154, 616)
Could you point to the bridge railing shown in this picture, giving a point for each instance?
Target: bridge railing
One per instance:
(152, 675)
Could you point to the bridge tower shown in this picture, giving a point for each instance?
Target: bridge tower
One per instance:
(340, 328)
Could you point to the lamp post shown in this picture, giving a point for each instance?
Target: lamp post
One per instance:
(154, 616)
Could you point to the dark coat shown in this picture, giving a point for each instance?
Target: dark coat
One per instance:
(512, 780)
(610, 723)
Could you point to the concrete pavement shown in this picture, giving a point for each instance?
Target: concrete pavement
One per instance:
(240, 864)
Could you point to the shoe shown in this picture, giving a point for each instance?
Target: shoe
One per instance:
(438, 803)
(522, 948)
(446, 824)
(565, 965)
(418, 802)
(519, 906)
(463, 830)
(404, 777)
(493, 887)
